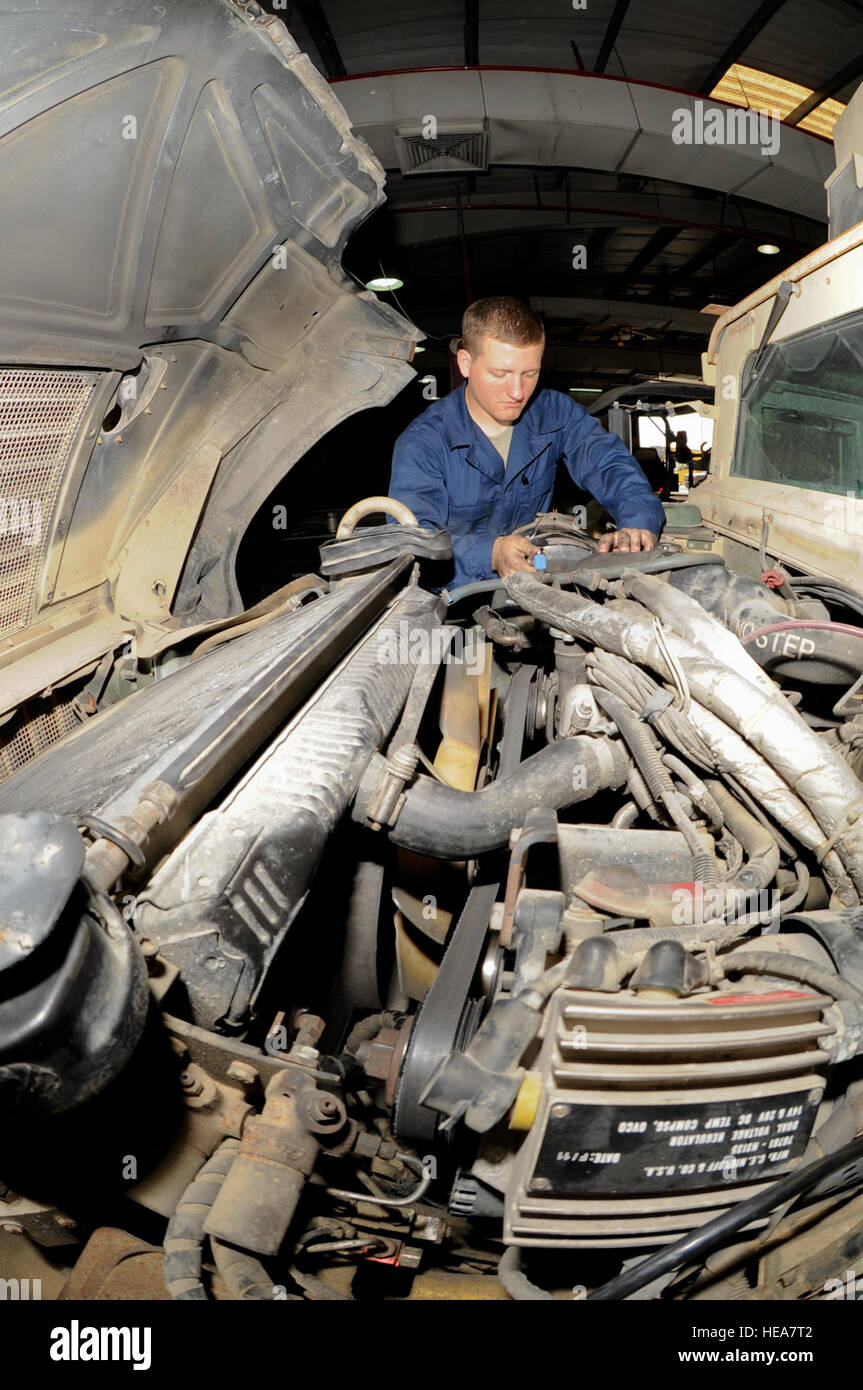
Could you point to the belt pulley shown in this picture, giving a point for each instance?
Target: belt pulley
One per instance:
(448, 1016)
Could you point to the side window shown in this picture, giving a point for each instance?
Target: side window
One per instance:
(800, 420)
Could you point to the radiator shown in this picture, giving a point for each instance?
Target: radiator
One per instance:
(41, 411)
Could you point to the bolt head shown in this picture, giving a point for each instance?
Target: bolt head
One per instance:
(323, 1111)
(431, 1228)
(243, 1072)
(410, 1257)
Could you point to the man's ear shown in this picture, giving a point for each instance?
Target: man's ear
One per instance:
(464, 360)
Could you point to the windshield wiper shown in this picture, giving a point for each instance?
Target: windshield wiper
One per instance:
(780, 304)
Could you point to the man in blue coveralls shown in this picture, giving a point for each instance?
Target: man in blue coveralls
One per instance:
(482, 461)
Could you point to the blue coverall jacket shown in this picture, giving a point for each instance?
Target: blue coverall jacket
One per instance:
(451, 476)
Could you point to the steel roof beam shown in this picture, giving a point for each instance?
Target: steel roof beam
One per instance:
(610, 36)
(741, 42)
(651, 249)
(834, 84)
(471, 33)
(708, 253)
(318, 26)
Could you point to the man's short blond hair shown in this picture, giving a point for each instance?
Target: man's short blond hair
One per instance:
(501, 317)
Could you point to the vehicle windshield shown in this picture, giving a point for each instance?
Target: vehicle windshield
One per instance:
(801, 411)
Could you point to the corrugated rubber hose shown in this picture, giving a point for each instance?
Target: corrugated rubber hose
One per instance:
(184, 1238)
(244, 1276)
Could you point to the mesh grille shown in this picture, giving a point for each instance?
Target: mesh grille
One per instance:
(35, 726)
(40, 414)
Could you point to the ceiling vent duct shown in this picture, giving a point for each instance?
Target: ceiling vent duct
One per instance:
(445, 149)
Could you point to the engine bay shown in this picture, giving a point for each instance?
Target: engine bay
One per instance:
(407, 944)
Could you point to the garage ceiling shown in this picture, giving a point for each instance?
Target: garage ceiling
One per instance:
(566, 107)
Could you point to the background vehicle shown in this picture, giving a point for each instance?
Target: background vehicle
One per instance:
(648, 418)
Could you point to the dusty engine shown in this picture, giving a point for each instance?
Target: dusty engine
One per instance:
(413, 942)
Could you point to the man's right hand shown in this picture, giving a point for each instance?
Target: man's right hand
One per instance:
(512, 553)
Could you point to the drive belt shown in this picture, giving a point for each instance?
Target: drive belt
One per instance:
(439, 1020)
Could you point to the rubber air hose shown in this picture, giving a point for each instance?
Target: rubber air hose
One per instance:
(444, 823)
(788, 967)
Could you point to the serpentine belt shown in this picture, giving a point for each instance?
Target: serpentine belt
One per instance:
(441, 1017)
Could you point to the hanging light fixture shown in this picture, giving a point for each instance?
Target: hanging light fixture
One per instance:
(382, 283)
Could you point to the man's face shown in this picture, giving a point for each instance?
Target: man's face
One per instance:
(501, 378)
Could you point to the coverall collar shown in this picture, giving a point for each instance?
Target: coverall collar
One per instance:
(529, 438)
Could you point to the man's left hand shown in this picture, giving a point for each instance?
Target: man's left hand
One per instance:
(627, 539)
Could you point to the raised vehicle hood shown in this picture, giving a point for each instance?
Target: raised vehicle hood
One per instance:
(178, 184)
